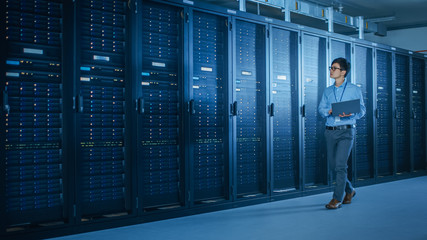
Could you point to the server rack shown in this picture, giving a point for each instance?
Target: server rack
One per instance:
(160, 119)
(102, 165)
(363, 73)
(384, 113)
(250, 108)
(402, 114)
(284, 110)
(339, 48)
(314, 67)
(208, 108)
(33, 167)
(418, 114)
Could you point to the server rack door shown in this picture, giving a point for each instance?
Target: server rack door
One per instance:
(314, 67)
(363, 69)
(250, 94)
(32, 164)
(159, 121)
(402, 114)
(209, 111)
(284, 109)
(340, 49)
(101, 166)
(384, 114)
(418, 113)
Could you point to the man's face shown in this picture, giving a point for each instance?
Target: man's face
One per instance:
(336, 71)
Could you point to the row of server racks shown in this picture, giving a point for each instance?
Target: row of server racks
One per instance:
(118, 112)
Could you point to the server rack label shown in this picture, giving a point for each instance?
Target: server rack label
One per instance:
(206, 69)
(33, 51)
(188, 2)
(12, 74)
(158, 64)
(281, 77)
(101, 58)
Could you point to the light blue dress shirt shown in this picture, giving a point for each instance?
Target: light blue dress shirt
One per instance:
(347, 91)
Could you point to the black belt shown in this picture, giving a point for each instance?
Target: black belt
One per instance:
(340, 127)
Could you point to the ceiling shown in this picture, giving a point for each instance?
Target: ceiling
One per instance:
(392, 14)
(397, 14)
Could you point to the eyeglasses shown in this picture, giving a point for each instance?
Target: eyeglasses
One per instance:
(334, 68)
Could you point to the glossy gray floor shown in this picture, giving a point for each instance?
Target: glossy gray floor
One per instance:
(393, 210)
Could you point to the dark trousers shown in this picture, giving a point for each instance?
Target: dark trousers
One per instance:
(338, 145)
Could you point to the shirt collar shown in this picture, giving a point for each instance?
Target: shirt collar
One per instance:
(342, 85)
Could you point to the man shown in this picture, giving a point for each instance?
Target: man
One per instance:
(340, 131)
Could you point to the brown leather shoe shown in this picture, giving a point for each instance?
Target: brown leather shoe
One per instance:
(348, 197)
(333, 204)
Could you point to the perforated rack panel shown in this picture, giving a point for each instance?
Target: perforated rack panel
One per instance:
(251, 105)
(419, 108)
(384, 114)
(208, 123)
(284, 91)
(341, 49)
(158, 139)
(314, 83)
(101, 163)
(364, 144)
(403, 114)
(33, 123)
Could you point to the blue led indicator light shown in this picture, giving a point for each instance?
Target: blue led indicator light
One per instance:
(11, 62)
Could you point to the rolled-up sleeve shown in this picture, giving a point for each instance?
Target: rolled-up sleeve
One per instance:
(324, 106)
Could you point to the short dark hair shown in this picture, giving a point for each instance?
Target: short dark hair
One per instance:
(344, 65)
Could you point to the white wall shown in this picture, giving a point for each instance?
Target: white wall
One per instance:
(414, 39)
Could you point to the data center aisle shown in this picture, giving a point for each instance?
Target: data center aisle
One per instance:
(393, 210)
